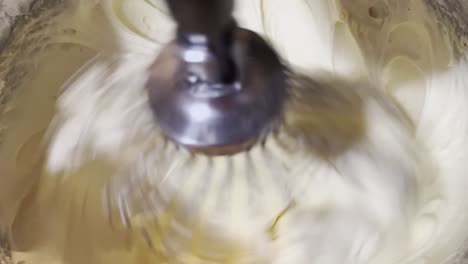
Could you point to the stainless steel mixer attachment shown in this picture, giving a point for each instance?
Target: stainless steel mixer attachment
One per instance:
(217, 88)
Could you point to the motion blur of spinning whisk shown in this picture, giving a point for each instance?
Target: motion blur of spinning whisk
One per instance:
(231, 141)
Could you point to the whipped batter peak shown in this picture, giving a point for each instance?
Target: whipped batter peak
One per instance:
(368, 167)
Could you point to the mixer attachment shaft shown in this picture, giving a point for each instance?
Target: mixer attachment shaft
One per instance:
(217, 88)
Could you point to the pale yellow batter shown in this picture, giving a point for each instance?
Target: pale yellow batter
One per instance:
(392, 45)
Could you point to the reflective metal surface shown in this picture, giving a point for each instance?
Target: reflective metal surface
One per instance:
(218, 88)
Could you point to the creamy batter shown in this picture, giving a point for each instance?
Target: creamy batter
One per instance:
(389, 208)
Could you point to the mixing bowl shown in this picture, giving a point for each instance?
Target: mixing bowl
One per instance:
(23, 63)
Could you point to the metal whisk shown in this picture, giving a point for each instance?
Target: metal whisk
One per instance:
(218, 87)
(218, 90)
